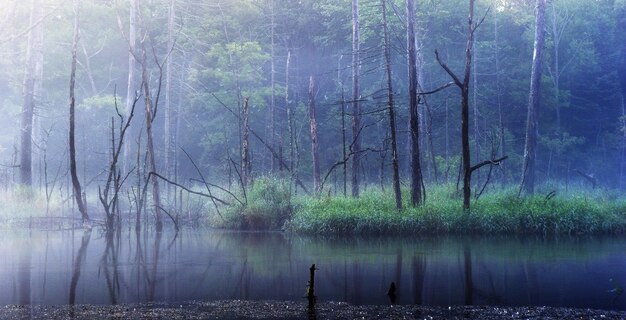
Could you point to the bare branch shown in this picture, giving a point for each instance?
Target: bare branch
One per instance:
(448, 70)
(493, 162)
(186, 189)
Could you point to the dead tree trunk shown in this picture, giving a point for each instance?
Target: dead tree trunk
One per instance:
(290, 121)
(392, 114)
(114, 177)
(343, 143)
(26, 134)
(314, 143)
(246, 169)
(130, 88)
(170, 111)
(356, 94)
(273, 140)
(464, 87)
(150, 108)
(417, 190)
(530, 149)
(78, 193)
(499, 95)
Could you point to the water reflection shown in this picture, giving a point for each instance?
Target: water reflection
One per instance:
(78, 265)
(130, 266)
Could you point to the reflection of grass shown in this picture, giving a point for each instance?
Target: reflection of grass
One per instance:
(498, 212)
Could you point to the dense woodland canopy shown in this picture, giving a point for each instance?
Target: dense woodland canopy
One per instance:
(213, 66)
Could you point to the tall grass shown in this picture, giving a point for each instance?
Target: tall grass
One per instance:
(25, 203)
(497, 212)
(266, 206)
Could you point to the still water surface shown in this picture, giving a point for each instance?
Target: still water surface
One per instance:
(61, 267)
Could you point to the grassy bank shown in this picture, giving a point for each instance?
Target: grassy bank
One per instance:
(498, 212)
(269, 206)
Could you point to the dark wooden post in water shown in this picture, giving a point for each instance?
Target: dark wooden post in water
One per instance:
(391, 293)
(310, 290)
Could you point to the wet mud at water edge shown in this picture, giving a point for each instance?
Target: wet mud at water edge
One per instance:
(238, 309)
(45, 268)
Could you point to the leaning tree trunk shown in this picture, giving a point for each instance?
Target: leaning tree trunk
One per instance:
(416, 170)
(356, 108)
(314, 144)
(78, 193)
(392, 115)
(528, 168)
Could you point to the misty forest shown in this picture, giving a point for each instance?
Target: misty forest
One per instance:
(329, 121)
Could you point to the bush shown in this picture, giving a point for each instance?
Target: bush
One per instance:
(268, 206)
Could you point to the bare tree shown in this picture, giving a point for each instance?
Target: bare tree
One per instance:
(391, 108)
(150, 113)
(463, 85)
(130, 89)
(314, 142)
(530, 149)
(356, 95)
(171, 114)
(110, 202)
(78, 193)
(246, 165)
(417, 191)
(498, 94)
(30, 75)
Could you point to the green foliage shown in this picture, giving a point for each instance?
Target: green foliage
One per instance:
(268, 207)
(501, 212)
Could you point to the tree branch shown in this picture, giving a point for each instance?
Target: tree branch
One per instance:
(448, 70)
(493, 162)
(186, 189)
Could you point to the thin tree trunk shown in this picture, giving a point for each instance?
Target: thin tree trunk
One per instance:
(170, 112)
(528, 168)
(464, 86)
(273, 141)
(75, 182)
(26, 134)
(314, 143)
(499, 96)
(245, 156)
(156, 195)
(416, 170)
(356, 95)
(130, 86)
(344, 143)
(622, 168)
(290, 119)
(392, 115)
(467, 172)
(475, 110)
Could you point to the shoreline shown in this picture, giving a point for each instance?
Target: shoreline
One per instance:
(239, 309)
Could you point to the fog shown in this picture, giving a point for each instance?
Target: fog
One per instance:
(203, 60)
